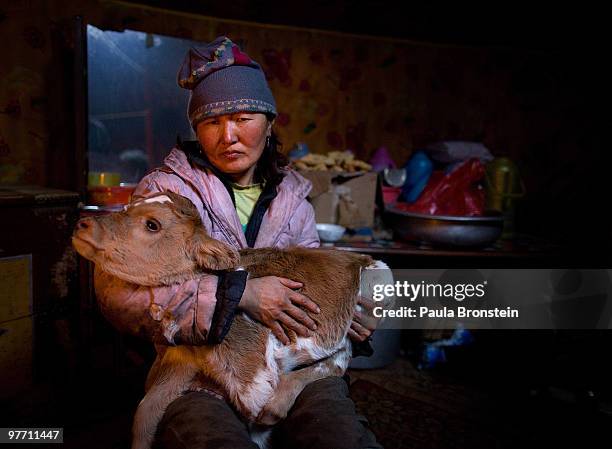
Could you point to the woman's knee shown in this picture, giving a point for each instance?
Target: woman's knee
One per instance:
(325, 416)
(198, 420)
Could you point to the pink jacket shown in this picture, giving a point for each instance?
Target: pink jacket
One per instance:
(182, 314)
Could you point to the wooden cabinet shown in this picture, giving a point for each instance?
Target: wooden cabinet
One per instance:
(38, 287)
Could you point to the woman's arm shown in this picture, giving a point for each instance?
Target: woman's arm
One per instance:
(176, 314)
(304, 226)
(187, 313)
(271, 300)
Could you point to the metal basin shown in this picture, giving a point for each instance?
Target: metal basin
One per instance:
(443, 230)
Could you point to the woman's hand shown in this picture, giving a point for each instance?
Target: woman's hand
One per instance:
(364, 322)
(271, 300)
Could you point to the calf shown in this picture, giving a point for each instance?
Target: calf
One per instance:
(161, 241)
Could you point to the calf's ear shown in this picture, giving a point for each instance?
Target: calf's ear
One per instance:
(212, 254)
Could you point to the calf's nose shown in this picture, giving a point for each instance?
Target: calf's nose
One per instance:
(84, 223)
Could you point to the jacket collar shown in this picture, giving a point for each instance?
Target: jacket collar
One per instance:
(218, 204)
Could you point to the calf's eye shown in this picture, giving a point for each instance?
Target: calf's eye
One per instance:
(152, 225)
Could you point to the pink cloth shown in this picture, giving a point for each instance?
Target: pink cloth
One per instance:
(182, 313)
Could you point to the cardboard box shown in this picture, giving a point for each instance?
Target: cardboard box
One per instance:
(347, 199)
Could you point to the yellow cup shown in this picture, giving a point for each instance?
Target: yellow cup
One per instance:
(109, 179)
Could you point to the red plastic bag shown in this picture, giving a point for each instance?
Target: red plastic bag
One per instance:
(457, 193)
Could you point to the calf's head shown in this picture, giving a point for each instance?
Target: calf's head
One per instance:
(159, 240)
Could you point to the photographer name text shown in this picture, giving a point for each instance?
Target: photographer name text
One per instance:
(435, 291)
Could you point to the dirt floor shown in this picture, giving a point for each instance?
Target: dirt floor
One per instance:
(494, 395)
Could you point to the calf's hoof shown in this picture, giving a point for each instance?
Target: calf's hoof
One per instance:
(269, 416)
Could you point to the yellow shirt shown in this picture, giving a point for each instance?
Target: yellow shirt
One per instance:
(246, 197)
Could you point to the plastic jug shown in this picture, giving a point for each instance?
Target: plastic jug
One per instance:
(418, 170)
(504, 188)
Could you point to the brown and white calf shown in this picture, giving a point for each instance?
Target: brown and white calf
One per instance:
(161, 241)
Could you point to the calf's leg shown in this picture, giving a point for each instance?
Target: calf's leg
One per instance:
(291, 384)
(172, 381)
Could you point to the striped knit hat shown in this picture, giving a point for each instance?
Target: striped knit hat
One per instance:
(223, 80)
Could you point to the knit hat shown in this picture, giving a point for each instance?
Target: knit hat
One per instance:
(223, 80)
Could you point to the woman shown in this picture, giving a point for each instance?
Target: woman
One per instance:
(247, 198)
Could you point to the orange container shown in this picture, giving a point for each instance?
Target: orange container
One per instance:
(110, 195)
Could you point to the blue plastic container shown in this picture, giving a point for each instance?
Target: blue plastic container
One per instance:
(418, 171)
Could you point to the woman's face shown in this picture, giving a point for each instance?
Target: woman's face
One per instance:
(233, 143)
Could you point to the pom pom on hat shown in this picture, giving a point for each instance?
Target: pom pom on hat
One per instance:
(223, 80)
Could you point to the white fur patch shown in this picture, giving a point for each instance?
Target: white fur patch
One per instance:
(260, 436)
(158, 199)
(343, 357)
(288, 357)
(258, 392)
(376, 273)
(315, 351)
(378, 265)
(271, 363)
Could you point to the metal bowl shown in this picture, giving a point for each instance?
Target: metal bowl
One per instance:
(444, 230)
